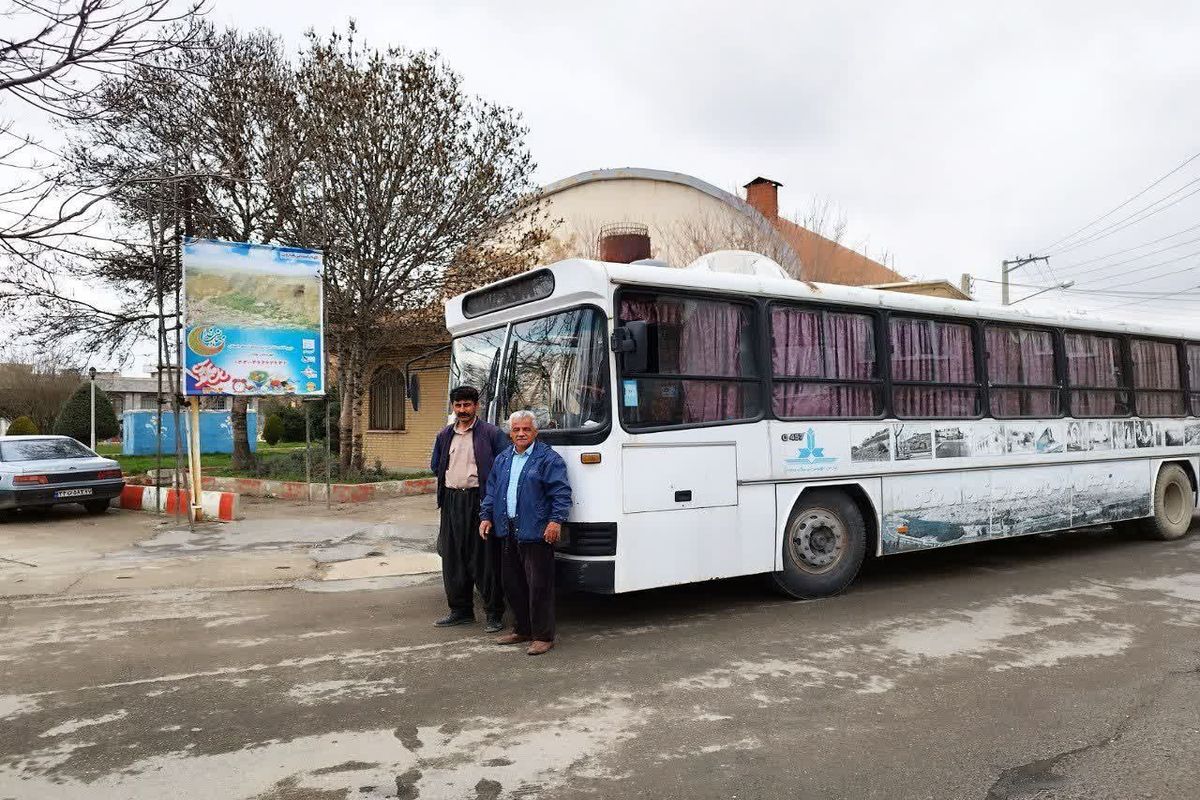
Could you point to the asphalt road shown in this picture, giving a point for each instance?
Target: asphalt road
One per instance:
(1047, 667)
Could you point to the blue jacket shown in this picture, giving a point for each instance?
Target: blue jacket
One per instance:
(543, 493)
(489, 441)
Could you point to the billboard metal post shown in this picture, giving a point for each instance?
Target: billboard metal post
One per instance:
(194, 457)
(307, 451)
(328, 493)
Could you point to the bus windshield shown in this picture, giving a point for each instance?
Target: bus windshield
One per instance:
(555, 366)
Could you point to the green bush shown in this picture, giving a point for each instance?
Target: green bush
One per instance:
(23, 426)
(293, 424)
(74, 418)
(273, 430)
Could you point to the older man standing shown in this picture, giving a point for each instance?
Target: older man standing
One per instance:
(462, 460)
(526, 502)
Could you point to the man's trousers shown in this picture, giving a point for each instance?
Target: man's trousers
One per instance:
(528, 569)
(468, 561)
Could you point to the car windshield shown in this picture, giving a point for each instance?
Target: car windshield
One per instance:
(556, 367)
(39, 449)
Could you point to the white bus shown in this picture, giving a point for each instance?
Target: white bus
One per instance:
(724, 420)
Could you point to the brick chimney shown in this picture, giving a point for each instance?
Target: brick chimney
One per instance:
(763, 194)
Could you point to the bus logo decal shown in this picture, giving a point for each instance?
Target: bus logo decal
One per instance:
(808, 455)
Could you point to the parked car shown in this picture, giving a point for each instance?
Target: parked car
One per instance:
(52, 470)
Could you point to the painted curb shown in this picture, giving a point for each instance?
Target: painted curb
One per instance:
(223, 506)
(339, 492)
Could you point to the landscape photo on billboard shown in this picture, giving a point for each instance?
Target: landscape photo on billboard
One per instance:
(253, 316)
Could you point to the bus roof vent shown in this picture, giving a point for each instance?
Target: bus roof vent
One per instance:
(739, 262)
(649, 262)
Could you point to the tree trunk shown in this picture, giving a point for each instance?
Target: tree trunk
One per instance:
(243, 456)
(358, 462)
(346, 377)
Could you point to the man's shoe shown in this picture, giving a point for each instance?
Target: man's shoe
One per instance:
(539, 647)
(512, 638)
(493, 625)
(455, 618)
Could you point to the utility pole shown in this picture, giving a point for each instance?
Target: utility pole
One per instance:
(1012, 265)
(92, 378)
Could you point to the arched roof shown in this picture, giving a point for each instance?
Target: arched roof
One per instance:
(643, 174)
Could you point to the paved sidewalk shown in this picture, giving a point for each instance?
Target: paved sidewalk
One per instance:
(360, 545)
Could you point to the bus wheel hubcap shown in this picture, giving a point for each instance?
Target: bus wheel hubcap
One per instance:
(1173, 504)
(817, 540)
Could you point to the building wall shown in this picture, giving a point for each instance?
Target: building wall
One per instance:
(671, 212)
(411, 447)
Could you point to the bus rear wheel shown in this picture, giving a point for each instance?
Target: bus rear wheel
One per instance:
(823, 546)
(1174, 503)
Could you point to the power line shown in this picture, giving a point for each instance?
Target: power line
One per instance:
(1141, 215)
(1135, 247)
(1143, 268)
(1108, 214)
(1072, 290)
(1148, 299)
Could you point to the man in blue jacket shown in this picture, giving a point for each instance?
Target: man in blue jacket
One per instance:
(525, 505)
(462, 460)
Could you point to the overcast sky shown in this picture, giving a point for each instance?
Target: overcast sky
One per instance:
(952, 134)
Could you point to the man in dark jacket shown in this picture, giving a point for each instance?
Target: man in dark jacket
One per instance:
(527, 500)
(462, 460)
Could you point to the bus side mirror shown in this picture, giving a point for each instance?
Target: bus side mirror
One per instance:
(630, 341)
(414, 391)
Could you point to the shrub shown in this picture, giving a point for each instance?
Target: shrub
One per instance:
(74, 418)
(293, 424)
(23, 426)
(273, 430)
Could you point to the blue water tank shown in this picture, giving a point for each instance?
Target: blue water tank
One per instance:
(140, 430)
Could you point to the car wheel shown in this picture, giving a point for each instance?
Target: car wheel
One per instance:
(824, 545)
(96, 506)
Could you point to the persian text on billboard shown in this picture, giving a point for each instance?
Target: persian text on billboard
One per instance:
(252, 316)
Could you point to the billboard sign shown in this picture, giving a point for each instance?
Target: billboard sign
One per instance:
(252, 318)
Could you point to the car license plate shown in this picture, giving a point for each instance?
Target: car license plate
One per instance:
(72, 493)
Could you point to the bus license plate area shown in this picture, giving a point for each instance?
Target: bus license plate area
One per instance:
(62, 494)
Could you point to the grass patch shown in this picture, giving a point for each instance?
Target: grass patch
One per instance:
(281, 462)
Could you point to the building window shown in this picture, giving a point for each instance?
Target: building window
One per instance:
(824, 364)
(701, 366)
(1158, 389)
(933, 369)
(1021, 372)
(1098, 382)
(385, 408)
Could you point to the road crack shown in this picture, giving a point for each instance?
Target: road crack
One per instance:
(1028, 780)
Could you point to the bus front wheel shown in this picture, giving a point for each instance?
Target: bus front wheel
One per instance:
(823, 546)
(1174, 503)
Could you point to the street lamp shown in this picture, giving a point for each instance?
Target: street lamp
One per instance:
(1064, 285)
(92, 377)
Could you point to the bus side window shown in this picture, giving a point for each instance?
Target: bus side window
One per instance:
(1193, 364)
(701, 367)
(933, 369)
(1096, 375)
(1158, 388)
(824, 364)
(1021, 372)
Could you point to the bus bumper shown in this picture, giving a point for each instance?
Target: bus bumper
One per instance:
(594, 575)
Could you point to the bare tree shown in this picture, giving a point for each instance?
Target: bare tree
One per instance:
(408, 174)
(197, 142)
(36, 385)
(51, 59)
(693, 236)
